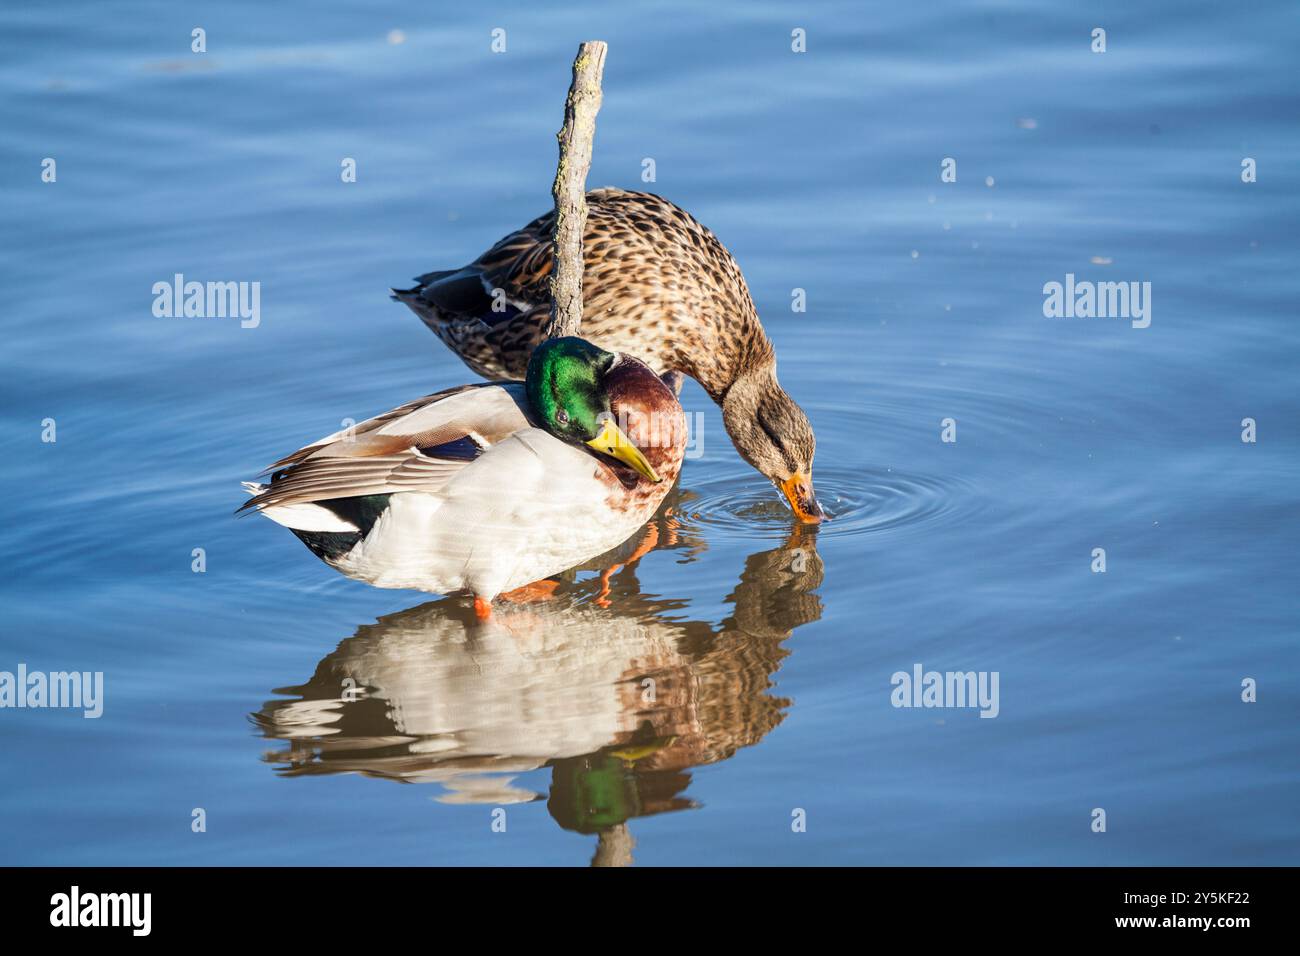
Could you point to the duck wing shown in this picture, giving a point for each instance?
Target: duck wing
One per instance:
(419, 446)
(621, 225)
(656, 284)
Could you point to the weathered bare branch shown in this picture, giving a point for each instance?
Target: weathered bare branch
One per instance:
(570, 188)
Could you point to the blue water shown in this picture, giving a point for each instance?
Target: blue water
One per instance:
(771, 648)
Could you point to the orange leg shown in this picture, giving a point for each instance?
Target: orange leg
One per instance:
(602, 599)
(647, 545)
(672, 525)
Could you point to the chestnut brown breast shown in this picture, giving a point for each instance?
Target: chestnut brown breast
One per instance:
(648, 411)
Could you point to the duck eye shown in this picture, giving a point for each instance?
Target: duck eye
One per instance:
(562, 417)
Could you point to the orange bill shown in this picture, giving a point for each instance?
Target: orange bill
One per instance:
(798, 489)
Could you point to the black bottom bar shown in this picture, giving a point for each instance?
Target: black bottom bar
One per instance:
(307, 904)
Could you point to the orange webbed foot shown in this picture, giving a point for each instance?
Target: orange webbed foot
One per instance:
(530, 593)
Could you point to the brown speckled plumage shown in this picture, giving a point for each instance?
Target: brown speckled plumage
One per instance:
(656, 284)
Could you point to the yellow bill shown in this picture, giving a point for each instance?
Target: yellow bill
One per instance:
(613, 442)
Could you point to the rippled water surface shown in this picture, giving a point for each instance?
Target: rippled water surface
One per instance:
(680, 700)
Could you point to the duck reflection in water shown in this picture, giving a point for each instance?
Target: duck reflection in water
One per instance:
(612, 689)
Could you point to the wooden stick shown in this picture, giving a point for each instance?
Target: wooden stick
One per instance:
(614, 846)
(570, 188)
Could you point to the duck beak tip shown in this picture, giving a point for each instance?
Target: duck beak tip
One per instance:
(614, 442)
(798, 490)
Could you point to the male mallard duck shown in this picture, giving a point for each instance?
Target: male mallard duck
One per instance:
(656, 284)
(488, 487)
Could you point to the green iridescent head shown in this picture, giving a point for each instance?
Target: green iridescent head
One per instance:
(565, 384)
(566, 388)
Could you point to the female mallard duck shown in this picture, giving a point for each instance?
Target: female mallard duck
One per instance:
(488, 487)
(656, 284)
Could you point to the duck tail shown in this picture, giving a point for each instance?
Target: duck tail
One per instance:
(299, 516)
(428, 313)
(422, 298)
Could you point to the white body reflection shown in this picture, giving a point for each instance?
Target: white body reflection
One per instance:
(616, 691)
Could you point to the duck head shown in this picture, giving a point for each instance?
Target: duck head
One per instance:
(774, 435)
(569, 384)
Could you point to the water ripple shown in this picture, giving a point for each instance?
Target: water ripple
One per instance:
(859, 501)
